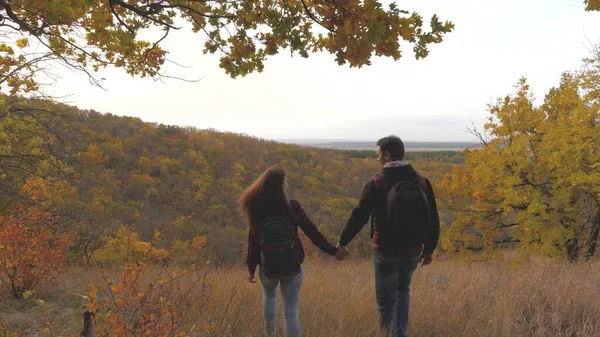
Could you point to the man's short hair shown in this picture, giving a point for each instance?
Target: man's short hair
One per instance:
(393, 145)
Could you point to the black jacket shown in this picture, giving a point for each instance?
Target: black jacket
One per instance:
(373, 202)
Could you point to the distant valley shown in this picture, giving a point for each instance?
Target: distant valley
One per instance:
(370, 145)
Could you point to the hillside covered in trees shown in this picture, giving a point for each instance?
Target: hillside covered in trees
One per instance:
(108, 181)
(98, 174)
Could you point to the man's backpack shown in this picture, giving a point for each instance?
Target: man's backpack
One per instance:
(407, 211)
(280, 251)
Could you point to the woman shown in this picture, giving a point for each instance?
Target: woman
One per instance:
(264, 200)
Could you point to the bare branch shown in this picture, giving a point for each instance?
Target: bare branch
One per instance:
(25, 65)
(93, 80)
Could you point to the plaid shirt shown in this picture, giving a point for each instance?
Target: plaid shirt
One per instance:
(307, 226)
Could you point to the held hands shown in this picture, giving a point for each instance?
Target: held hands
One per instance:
(342, 253)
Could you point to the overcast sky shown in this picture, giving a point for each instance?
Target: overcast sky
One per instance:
(493, 45)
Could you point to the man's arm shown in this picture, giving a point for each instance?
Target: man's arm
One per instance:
(360, 215)
(433, 231)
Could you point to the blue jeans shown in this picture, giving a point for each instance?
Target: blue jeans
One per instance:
(290, 292)
(392, 289)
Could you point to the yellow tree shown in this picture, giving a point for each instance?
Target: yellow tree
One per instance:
(30, 146)
(535, 183)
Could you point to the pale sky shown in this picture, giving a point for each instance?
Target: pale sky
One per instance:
(493, 45)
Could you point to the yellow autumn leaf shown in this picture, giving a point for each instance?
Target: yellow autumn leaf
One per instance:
(22, 43)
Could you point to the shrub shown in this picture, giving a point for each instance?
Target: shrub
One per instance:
(31, 250)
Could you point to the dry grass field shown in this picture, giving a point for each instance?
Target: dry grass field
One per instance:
(537, 298)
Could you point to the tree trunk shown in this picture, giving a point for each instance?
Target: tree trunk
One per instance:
(14, 290)
(573, 249)
(88, 258)
(591, 247)
(88, 324)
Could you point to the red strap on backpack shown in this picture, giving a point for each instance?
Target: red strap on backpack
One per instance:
(422, 182)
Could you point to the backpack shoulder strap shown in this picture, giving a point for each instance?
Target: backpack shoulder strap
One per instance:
(422, 182)
(379, 182)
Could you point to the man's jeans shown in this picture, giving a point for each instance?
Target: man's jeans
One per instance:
(392, 289)
(290, 293)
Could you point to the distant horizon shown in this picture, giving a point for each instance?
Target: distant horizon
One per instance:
(299, 140)
(371, 144)
(351, 140)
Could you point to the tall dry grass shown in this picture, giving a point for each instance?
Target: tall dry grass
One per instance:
(534, 299)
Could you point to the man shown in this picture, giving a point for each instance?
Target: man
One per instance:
(395, 256)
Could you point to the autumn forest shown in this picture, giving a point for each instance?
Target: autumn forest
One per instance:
(132, 227)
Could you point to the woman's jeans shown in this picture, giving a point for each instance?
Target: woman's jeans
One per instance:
(290, 293)
(392, 289)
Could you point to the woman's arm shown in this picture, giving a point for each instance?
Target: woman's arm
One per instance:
(309, 228)
(253, 255)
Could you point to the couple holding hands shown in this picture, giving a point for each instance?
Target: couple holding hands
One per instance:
(404, 229)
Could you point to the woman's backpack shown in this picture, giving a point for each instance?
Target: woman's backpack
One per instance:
(280, 251)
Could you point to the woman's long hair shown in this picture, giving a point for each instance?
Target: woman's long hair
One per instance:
(266, 197)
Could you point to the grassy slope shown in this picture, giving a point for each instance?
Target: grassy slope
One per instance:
(536, 298)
